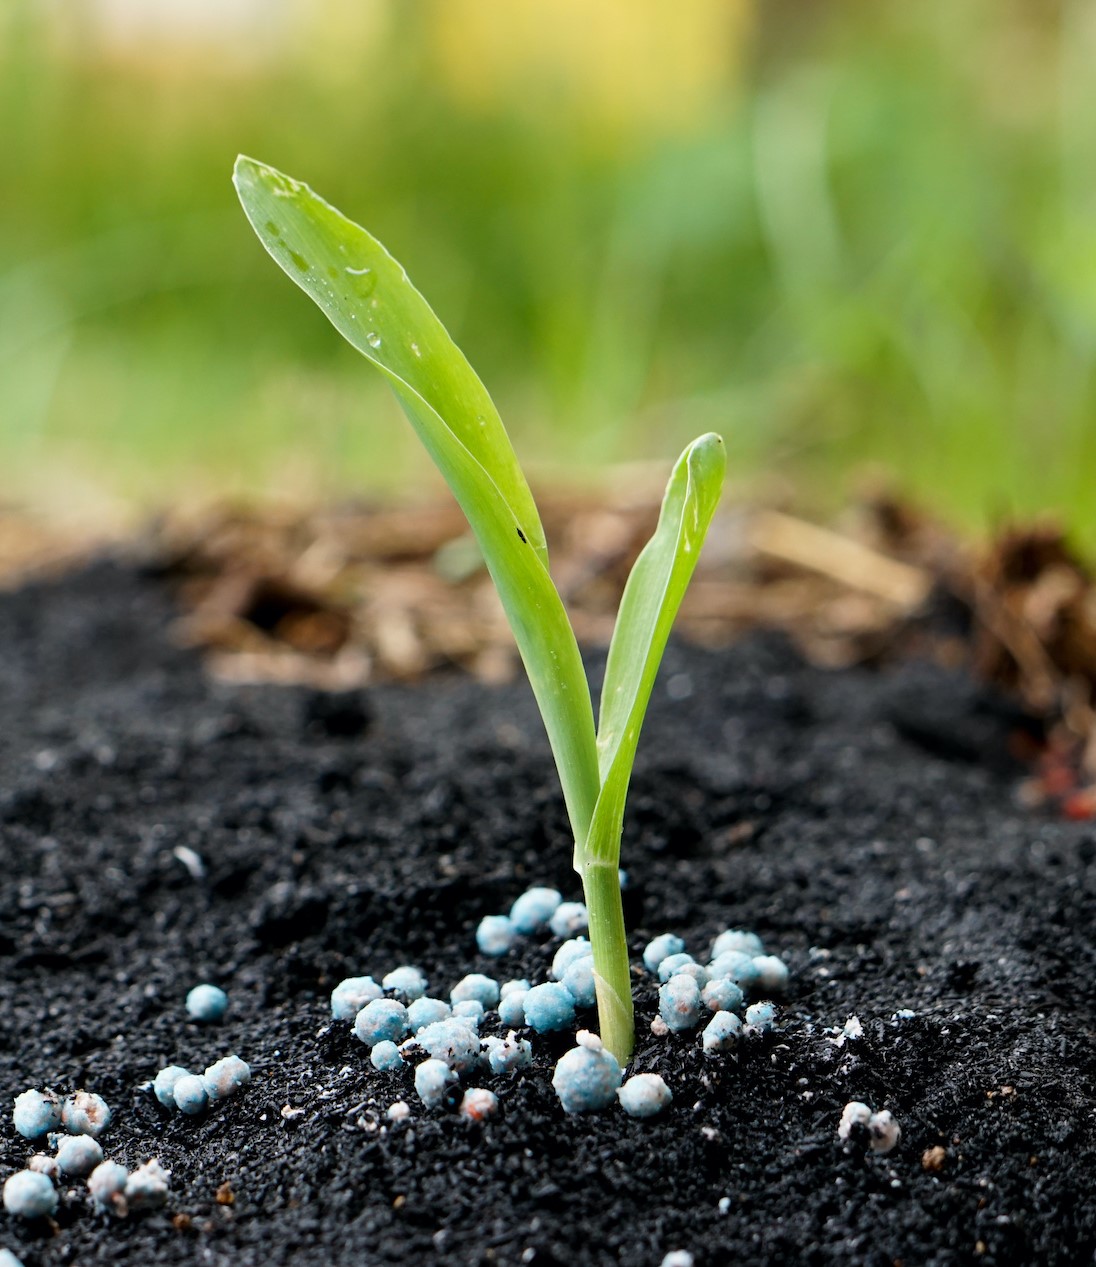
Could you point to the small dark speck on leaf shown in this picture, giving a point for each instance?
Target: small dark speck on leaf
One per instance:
(522, 536)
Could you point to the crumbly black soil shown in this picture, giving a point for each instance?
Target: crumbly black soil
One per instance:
(863, 822)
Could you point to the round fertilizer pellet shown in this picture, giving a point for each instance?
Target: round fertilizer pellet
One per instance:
(476, 986)
(190, 1094)
(883, 1132)
(36, 1113)
(107, 1185)
(147, 1187)
(29, 1195)
(386, 1057)
(434, 1082)
(695, 970)
(549, 1007)
(770, 974)
(163, 1085)
(760, 1016)
(44, 1164)
(855, 1114)
(8, 1259)
(677, 1258)
(679, 1003)
(426, 1011)
(722, 1032)
(406, 982)
(399, 1112)
(516, 985)
(504, 1055)
(578, 981)
(722, 995)
(225, 1077)
(568, 953)
(660, 948)
(534, 909)
(454, 1042)
(734, 966)
(470, 1010)
(644, 1095)
(206, 1003)
(569, 918)
(495, 935)
(351, 995)
(748, 944)
(682, 965)
(511, 1008)
(381, 1019)
(669, 966)
(85, 1114)
(478, 1104)
(78, 1155)
(586, 1078)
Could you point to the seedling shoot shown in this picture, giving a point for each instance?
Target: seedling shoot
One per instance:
(367, 296)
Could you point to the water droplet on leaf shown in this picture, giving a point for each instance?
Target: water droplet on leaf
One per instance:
(363, 280)
(373, 339)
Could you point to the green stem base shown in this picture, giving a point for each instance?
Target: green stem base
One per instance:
(612, 973)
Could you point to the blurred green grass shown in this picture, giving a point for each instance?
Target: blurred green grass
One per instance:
(850, 236)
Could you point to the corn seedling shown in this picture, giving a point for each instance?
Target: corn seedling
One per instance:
(367, 296)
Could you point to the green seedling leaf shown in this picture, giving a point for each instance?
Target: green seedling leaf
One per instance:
(650, 602)
(367, 296)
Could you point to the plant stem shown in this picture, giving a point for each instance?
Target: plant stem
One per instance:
(612, 975)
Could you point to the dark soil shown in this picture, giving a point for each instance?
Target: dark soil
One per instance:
(864, 823)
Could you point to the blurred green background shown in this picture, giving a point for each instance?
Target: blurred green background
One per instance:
(854, 237)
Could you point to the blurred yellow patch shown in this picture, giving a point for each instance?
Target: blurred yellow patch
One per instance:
(614, 64)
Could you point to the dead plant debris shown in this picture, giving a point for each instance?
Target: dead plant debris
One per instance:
(340, 598)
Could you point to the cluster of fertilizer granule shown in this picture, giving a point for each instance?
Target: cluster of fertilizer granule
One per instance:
(534, 910)
(177, 1088)
(38, 1113)
(588, 1078)
(399, 1020)
(114, 1189)
(859, 1125)
(438, 1040)
(737, 965)
(32, 1193)
(447, 1034)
